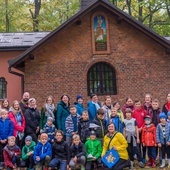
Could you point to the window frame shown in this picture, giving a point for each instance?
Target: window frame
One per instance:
(101, 72)
(3, 88)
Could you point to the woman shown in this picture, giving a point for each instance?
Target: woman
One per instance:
(119, 111)
(32, 118)
(107, 108)
(79, 104)
(18, 119)
(119, 143)
(62, 112)
(61, 152)
(166, 106)
(47, 111)
(148, 102)
(5, 104)
(129, 104)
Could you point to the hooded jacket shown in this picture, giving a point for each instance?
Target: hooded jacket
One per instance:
(42, 151)
(6, 128)
(27, 149)
(94, 148)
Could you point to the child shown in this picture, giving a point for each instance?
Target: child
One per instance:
(11, 153)
(61, 152)
(100, 121)
(149, 140)
(130, 131)
(119, 111)
(116, 120)
(154, 112)
(71, 124)
(27, 153)
(162, 137)
(83, 126)
(77, 153)
(139, 113)
(49, 129)
(93, 150)
(42, 152)
(6, 130)
(79, 104)
(168, 119)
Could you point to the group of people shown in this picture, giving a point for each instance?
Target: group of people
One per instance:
(66, 136)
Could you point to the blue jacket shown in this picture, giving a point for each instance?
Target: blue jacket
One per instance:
(42, 151)
(92, 110)
(118, 123)
(80, 108)
(61, 114)
(70, 125)
(167, 131)
(159, 134)
(6, 128)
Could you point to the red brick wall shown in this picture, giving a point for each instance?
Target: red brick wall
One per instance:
(61, 65)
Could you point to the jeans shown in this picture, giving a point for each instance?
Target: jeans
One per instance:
(58, 162)
(152, 152)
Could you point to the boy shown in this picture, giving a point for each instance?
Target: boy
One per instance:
(93, 150)
(83, 126)
(139, 113)
(77, 153)
(130, 131)
(49, 129)
(149, 140)
(162, 136)
(100, 121)
(12, 154)
(27, 153)
(6, 130)
(154, 112)
(42, 152)
(71, 124)
(116, 120)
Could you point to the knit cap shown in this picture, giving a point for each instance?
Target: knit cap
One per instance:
(92, 133)
(79, 96)
(162, 115)
(28, 138)
(50, 119)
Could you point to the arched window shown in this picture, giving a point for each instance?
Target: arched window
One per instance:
(3, 87)
(101, 79)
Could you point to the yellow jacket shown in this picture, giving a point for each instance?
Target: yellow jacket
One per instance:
(119, 142)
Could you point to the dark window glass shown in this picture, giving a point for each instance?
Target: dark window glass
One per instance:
(3, 87)
(101, 79)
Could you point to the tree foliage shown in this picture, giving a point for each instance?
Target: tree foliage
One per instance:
(46, 15)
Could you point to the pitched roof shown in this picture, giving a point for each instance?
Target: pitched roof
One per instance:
(95, 3)
(20, 40)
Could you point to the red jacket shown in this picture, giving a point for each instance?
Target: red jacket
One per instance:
(8, 158)
(17, 128)
(139, 115)
(149, 135)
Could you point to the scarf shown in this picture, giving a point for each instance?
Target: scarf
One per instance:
(96, 105)
(11, 150)
(168, 106)
(49, 110)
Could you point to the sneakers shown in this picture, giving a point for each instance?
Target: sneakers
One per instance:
(153, 163)
(141, 164)
(149, 163)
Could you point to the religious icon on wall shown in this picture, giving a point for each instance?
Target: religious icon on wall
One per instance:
(100, 35)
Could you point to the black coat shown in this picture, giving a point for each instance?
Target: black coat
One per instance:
(61, 151)
(32, 119)
(77, 151)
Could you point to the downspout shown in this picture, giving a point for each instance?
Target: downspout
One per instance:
(20, 75)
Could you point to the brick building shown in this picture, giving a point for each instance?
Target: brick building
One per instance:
(99, 50)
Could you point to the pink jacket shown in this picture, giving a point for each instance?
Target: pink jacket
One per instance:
(17, 128)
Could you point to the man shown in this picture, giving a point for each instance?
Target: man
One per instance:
(24, 102)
